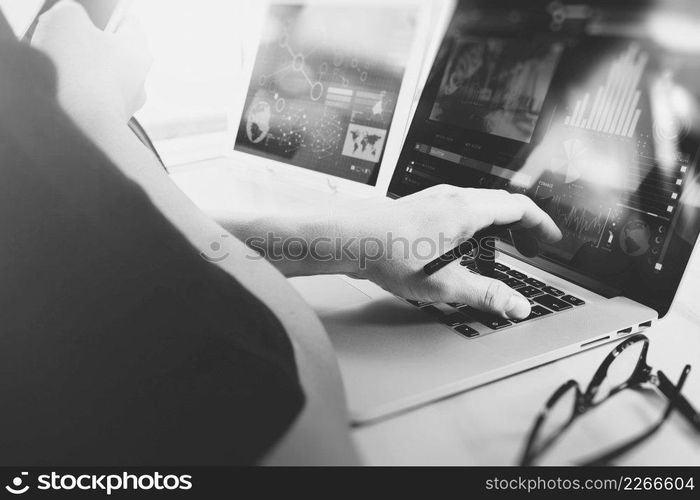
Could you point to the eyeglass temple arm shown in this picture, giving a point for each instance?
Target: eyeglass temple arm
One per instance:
(530, 452)
(673, 394)
(681, 403)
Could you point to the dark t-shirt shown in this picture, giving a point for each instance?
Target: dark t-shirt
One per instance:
(119, 344)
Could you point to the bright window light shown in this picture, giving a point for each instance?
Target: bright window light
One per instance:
(197, 46)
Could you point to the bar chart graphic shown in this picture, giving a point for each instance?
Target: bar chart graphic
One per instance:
(615, 107)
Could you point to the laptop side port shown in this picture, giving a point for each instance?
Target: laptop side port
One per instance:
(645, 325)
(624, 331)
(596, 341)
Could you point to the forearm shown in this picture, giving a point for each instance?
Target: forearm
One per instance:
(297, 245)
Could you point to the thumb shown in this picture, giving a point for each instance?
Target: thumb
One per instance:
(132, 61)
(66, 13)
(489, 295)
(60, 23)
(132, 39)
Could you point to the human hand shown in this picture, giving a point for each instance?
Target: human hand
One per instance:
(100, 75)
(398, 238)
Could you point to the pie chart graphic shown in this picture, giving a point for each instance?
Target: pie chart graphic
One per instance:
(571, 161)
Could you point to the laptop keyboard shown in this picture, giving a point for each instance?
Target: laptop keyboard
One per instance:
(469, 322)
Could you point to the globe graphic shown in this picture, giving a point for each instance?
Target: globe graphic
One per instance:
(258, 122)
(634, 238)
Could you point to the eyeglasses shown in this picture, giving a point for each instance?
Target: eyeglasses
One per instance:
(625, 367)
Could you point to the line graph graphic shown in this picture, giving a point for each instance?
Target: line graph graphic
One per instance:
(615, 107)
(582, 222)
(298, 65)
(579, 223)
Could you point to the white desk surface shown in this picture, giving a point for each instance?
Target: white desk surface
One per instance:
(487, 425)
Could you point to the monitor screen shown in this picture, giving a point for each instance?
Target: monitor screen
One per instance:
(589, 109)
(325, 85)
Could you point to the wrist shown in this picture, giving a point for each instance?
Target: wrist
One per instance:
(355, 244)
(324, 245)
(298, 245)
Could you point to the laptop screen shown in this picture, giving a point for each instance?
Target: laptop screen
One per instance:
(325, 85)
(589, 109)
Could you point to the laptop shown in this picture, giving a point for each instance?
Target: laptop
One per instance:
(329, 91)
(589, 109)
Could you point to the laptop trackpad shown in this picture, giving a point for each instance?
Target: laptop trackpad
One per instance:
(393, 356)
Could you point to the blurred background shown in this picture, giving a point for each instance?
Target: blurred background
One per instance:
(198, 48)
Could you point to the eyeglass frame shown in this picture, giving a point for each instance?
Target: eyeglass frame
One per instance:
(585, 401)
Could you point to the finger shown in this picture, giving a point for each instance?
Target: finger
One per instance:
(502, 208)
(525, 242)
(487, 295)
(65, 15)
(141, 99)
(520, 209)
(132, 36)
(133, 61)
(66, 11)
